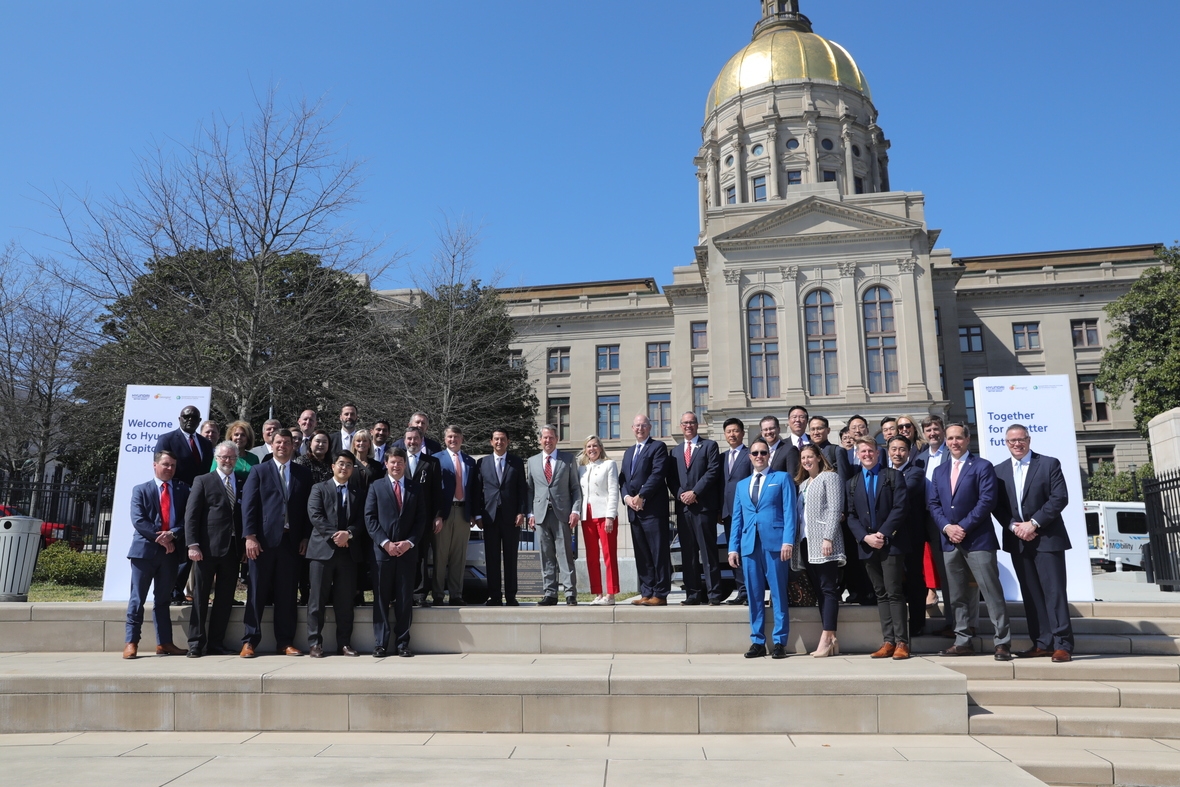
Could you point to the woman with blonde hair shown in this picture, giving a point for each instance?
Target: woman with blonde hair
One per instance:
(908, 428)
(820, 545)
(599, 477)
(241, 434)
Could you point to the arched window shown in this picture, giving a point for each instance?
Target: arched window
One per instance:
(762, 332)
(880, 341)
(819, 313)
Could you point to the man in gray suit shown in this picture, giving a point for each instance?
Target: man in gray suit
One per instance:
(269, 427)
(555, 500)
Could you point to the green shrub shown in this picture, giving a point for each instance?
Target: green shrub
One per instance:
(62, 565)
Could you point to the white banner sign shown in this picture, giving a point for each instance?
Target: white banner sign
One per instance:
(1044, 404)
(148, 412)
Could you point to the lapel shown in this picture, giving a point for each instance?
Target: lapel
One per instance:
(1033, 464)
(964, 472)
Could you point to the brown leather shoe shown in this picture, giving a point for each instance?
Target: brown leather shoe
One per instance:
(1003, 653)
(247, 651)
(884, 652)
(1062, 656)
(656, 602)
(170, 650)
(291, 651)
(316, 652)
(1033, 653)
(348, 651)
(640, 601)
(957, 650)
(902, 651)
(131, 650)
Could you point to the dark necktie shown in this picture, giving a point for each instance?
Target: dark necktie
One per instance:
(755, 489)
(229, 490)
(342, 509)
(192, 446)
(548, 471)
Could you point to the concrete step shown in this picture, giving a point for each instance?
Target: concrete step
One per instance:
(1073, 693)
(1074, 721)
(1107, 669)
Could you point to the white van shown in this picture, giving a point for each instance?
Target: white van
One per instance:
(1116, 531)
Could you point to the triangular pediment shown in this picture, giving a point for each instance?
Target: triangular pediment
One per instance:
(816, 219)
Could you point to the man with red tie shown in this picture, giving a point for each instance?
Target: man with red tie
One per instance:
(694, 479)
(460, 509)
(194, 456)
(157, 514)
(554, 510)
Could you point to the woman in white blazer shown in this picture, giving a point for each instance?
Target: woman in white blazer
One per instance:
(819, 547)
(599, 477)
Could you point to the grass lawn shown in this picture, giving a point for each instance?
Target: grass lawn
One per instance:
(51, 591)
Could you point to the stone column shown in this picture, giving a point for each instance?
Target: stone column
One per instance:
(772, 158)
(909, 337)
(810, 142)
(732, 346)
(702, 196)
(875, 172)
(792, 353)
(714, 180)
(739, 167)
(849, 172)
(851, 348)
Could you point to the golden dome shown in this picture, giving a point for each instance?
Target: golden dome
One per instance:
(785, 55)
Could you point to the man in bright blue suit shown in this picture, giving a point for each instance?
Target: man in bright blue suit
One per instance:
(762, 535)
(157, 514)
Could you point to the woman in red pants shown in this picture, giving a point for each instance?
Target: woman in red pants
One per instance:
(600, 510)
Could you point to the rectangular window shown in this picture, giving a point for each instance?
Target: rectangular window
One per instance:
(760, 188)
(608, 357)
(731, 195)
(659, 411)
(608, 417)
(559, 360)
(1026, 335)
(559, 416)
(1085, 333)
(700, 335)
(516, 359)
(860, 185)
(881, 360)
(969, 399)
(971, 339)
(1096, 455)
(1092, 399)
(700, 397)
(794, 177)
(941, 379)
(657, 355)
(829, 176)
(938, 322)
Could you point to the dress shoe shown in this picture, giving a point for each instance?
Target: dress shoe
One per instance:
(714, 602)
(884, 652)
(1033, 653)
(957, 650)
(131, 650)
(348, 651)
(756, 651)
(380, 653)
(831, 649)
(640, 601)
(656, 601)
(170, 650)
(690, 602)
(247, 651)
(1003, 653)
(737, 601)
(218, 650)
(511, 603)
(548, 601)
(194, 653)
(1062, 656)
(290, 650)
(316, 652)
(779, 651)
(901, 652)
(456, 602)
(572, 601)
(405, 652)
(493, 602)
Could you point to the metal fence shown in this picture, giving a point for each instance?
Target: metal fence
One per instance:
(77, 513)
(1162, 496)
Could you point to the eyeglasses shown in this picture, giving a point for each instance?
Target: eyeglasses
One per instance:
(905, 426)
(760, 453)
(1016, 440)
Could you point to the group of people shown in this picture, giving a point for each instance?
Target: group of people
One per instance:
(345, 510)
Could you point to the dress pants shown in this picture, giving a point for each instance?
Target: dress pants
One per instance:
(738, 577)
(764, 569)
(1043, 586)
(274, 577)
(854, 579)
(825, 581)
(183, 572)
(698, 555)
(394, 585)
(595, 537)
(887, 573)
(333, 580)
(425, 557)
(501, 538)
(450, 555)
(938, 557)
(160, 570)
(219, 575)
(651, 537)
(961, 566)
(556, 544)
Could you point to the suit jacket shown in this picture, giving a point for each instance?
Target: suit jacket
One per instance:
(742, 468)
(337, 441)
(914, 473)
(503, 500)
(785, 458)
(145, 518)
(472, 507)
(830, 452)
(188, 467)
(213, 519)
(262, 452)
(772, 519)
(387, 521)
(702, 476)
(323, 510)
(430, 486)
(890, 511)
(970, 507)
(600, 489)
(264, 509)
(563, 494)
(1044, 498)
(647, 479)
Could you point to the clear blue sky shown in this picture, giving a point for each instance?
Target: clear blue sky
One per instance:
(569, 128)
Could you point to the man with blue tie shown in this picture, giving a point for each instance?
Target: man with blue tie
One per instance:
(762, 538)
(961, 498)
(643, 484)
(157, 514)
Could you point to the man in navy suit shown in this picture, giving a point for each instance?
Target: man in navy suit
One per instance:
(157, 514)
(961, 497)
(899, 449)
(1032, 497)
(505, 504)
(694, 479)
(395, 516)
(194, 456)
(427, 472)
(276, 527)
(762, 539)
(335, 546)
(735, 465)
(460, 509)
(643, 484)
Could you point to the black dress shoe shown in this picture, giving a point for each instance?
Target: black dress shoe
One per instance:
(380, 653)
(493, 602)
(511, 603)
(690, 602)
(756, 651)
(1003, 653)
(740, 601)
(548, 601)
(348, 651)
(316, 652)
(779, 651)
(194, 653)
(572, 601)
(405, 652)
(456, 602)
(714, 602)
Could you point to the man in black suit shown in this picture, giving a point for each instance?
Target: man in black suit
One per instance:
(505, 504)
(643, 484)
(212, 529)
(854, 579)
(784, 457)
(274, 522)
(797, 418)
(427, 472)
(1028, 506)
(395, 516)
(194, 454)
(421, 422)
(336, 512)
(735, 465)
(695, 481)
(342, 438)
(818, 431)
(309, 421)
(899, 451)
(380, 435)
